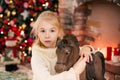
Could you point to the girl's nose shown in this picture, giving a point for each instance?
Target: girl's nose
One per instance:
(47, 35)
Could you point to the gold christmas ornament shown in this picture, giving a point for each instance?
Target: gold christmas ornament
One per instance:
(13, 12)
(7, 12)
(1, 15)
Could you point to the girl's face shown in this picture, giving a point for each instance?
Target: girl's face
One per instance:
(48, 34)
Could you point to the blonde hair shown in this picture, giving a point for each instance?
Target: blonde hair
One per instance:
(50, 17)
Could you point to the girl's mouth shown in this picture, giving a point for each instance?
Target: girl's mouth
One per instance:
(47, 41)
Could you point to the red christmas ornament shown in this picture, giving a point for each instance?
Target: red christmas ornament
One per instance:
(15, 20)
(36, 8)
(20, 10)
(31, 2)
(6, 22)
(2, 41)
(24, 44)
(41, 1)
(40, 8)
(18, 3)
(30, 41)
(1, 9)
(32, 12)
(26, 5)
(28, 59)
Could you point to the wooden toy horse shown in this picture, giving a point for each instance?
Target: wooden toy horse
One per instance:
(68, 53)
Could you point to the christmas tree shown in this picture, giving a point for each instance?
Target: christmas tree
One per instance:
(19, 16)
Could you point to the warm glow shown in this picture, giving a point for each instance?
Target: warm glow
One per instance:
(30, 48)
(23, 26)
(104, 51)
(112, 54)
(22, 33)
(25, 41)
(43, 5)
(98, 49)
(24, 53)
(13, 13)
(11, 1)
(31, 19)
(46, 3)
(1, 15)
(1, 32)
(20, 47)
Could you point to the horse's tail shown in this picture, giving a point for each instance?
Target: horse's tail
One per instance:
(100, 54)
(90, 68)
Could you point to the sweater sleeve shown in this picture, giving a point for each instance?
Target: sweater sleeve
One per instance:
(87, 48)
(41, 71)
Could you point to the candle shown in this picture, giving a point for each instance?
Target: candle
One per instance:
(109, 53)
(115, 57)
(116, 51)
(98, 49)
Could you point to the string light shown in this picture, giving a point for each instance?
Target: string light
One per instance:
(29, 48)
(22, 33)
(11, 1)
(23, 26)
(13, 13)
(31, 19)
(1, 32)
(46, 4)
(1, 15)
(25, 41)
(21, 47)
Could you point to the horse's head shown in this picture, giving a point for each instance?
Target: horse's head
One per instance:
(67, 53)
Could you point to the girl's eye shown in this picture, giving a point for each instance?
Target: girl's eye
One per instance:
(42, 30)
(52, 30)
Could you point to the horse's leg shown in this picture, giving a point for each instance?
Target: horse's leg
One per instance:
(83, 75)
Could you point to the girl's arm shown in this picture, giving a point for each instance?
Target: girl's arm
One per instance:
(41, 72)
(40, 67)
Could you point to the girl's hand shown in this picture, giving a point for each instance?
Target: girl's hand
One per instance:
(86, 52)
(80, 65)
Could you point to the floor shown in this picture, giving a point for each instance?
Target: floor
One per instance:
(24, 70)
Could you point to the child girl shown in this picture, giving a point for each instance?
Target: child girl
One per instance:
(47, 30)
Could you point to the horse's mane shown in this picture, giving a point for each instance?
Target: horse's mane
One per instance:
(69, 37)
(72, 37)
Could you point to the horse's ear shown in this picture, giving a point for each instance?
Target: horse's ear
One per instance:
(58, 44)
